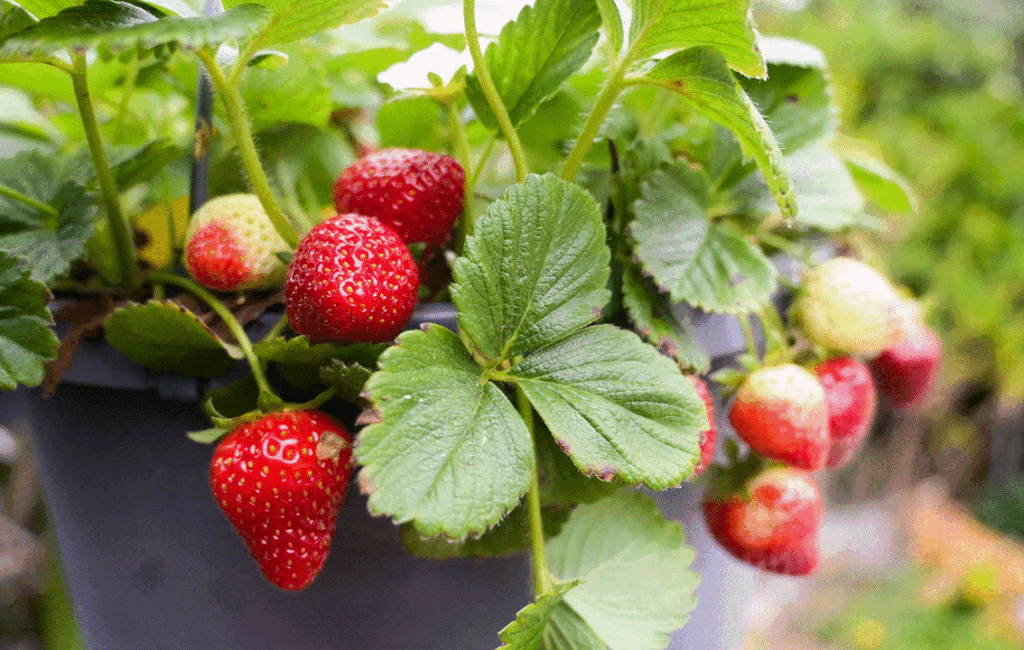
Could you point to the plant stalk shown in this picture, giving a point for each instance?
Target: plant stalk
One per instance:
(120, 229)
(542, 581)
(12, 193)
(462, 153)
(605, 100)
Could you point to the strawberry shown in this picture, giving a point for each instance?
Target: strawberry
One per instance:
(231, 245)
(907, 370)
(846, 305)
(280, 480)
(417, 193)
(780, 412)
(708, 437)
(770, 520)
(850, 395)
(351, 279)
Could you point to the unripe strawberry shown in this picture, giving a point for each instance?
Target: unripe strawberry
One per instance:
(850, 395)
(351, 279)
(770, 521)
(780, 412)
(846, 305)
(417, 193)
(232, 245)
(907, 370)
(708, 437)
(280, 480)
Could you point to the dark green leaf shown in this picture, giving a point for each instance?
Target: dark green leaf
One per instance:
(146, 162)
(562, 485)
(653, 319)
(527, 631)
(535, 269)
(616, 406)
(347, 379)
(293, 20)
(26, 340)
(696, 260)
(13, 19)
(534, 55)
(235, 399)
(166, 336)
(450, 454)
(300, 363)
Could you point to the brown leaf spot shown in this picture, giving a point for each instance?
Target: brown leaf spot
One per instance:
(366, 486)
(369, 416)
(563, 445)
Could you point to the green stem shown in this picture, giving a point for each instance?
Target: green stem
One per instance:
(542, 581)
(225, 315)
(748, 335)
(120, 229)
(482, 162)
(493, 98)
(278, 329)
(609, 93)
(462, 153)
(28, 200)
(228, 92)
(126, 96)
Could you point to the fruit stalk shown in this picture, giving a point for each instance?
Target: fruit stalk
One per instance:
(542, 582)
(609, 93)
(462, 153)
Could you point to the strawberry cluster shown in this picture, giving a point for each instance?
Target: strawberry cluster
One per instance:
(766, 511)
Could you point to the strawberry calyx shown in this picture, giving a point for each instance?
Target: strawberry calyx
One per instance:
(734, 480)
(267, 404)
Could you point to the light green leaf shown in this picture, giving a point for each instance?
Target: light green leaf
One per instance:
(450, 453)
(881, 185)
(790, 52)
(653, 319)
(535, 269)
(637, 586)
(669, 25)
(26, 340)
(696, 260)
(166, 336)
(527, 631)
(702, 76)
(44, 8)
(295, 93)
(616, 406)
(567, 631)
(47, 243)
(207, 436)
(293, 20)
(413, 123)
(612, 22)
(534, 55)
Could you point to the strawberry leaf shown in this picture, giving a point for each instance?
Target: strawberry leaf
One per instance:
(294, 20)
(450, 454)
(562, 486)
(616, 406)
(695, 259)
(880, 184)
(49, 243)
(612, 23)
(566, 630)
(527, 631)
(535, 269)
(347, 379)
(166, 336)
(534, 55)
(653, 320)
(634, 565)
(301, 363)
(26, 340)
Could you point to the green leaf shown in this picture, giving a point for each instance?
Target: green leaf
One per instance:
(562, 485)
(120, 25)
(235, 399)
(450, 454)
(702, 76)
(48, 244)
(615, 405)
(300, 363)
(26, 340)
(527, 631)
(166, 336)
(146, 162)
(413, 123)
(535, 269)
(668, 25)
(880, 184)
(293, 20)
(637, 586)
(207, 436)
(653, 319)
(534, 55)
(295, 93)
(612, 22)
(347, 379)
(42, 8)
(696, 260)
(566, 630)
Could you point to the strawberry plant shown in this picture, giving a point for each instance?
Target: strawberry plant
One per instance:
(570, 249)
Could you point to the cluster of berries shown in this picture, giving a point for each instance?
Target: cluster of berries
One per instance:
(281, 479)
(801, 420)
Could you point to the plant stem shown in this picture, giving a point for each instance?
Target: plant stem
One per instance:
(482, 162)
(246, 147)
(493, 98)
(278, 329)
(225, 315)
(542, 581)
(605, 100)
(126, 95)
(462, 153)
(12, 193)
(748, 335)
(120, 229)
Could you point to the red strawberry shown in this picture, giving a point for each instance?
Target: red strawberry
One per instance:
(907, 370)
(232, 245)
(707, 438)
(352, 279)
(771, 521)
(280, 480)
(780, 412)
(417, 193)
(850, 395)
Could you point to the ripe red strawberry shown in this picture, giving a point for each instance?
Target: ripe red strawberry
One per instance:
(280, 480)
(351, 279)
(771, 521)
(846, 305)
(907, 370)
(780, 412)
(708, 437)
(417, 193)
(232, 245)
(850, 395)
